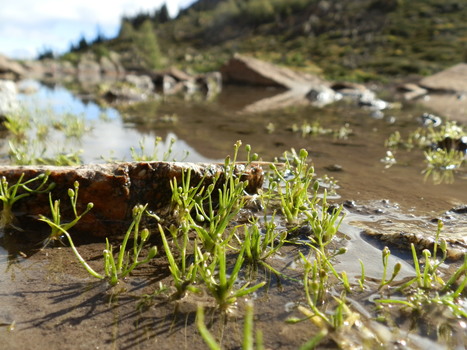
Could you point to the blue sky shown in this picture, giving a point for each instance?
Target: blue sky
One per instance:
(27, 26)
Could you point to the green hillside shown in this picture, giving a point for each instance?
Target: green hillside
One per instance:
(353, 39)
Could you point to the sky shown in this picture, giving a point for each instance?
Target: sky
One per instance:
(29, 26)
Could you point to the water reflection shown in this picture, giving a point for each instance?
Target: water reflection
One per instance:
(110, 138)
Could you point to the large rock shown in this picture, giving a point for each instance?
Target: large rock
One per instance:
(133, 88)
(8, 97)
(111, 65)
(10, 69)
(141, 82)
(453, 79)
(248, 70)
(88, 66)
(115, 189)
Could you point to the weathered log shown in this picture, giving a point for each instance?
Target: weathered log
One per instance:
(115, 189)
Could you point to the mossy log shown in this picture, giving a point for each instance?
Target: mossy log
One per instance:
(115, 188)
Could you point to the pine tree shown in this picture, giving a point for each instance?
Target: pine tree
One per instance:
(147, 45)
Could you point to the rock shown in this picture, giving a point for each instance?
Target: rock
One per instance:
(141, 82)
(411, 91)
(370, 101)
(460, 209)
(114, 189)
(351, 90)
(108, 67)
(10, 69)
(448, 105)
(453, 79)
(169, 85)
(210, 83)
(28, 87)
(115, 59)
(248, 70)
(133, 88)
(8, 98)
(322, 96)
(87, 66)
(178, 74)
(362, 95)
(428, 119)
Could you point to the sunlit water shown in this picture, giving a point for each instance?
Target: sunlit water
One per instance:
(109, 137)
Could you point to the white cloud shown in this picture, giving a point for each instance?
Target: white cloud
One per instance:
(30, 25)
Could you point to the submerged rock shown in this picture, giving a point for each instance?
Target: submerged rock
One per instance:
(114, 189)
(397, 229)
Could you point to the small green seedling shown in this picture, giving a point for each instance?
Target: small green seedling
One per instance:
(126, 262)
(249, 338)
(115, 269)
(56, 232)
(220, 283)
(214, 216)
(184, 273)
(397, 267)
(142, 156)
(427, 287)
(9, 195)
(261, 245)
(292, 186)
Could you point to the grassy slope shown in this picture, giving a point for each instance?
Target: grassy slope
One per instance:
(353, 39)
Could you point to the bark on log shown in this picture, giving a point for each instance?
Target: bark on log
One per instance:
(114, 189)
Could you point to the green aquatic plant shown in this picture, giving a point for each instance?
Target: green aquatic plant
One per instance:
(71, 125)
(115, 269)
(260, 245)
(324, 222)
(444, 159)
(183, 271)
(185, 196)
(292, 185)
(428, 287)
(219, 205)
(249, 338)
(220, 282)
(397, 267)
(10, 194)
(262, 242)
(18, 124)
(142, 156)
(33, 152)
(126, 262)
(55, 223)
(41, 136)
(440, 144)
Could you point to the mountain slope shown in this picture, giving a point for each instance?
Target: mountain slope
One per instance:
(352, 39)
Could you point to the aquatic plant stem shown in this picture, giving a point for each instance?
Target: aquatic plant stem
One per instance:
(75, 251)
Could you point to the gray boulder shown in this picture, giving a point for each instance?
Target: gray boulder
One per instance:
(140, 82)
(10, 69)
(8, 98)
